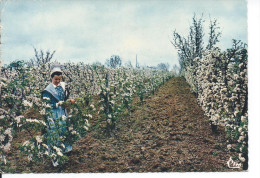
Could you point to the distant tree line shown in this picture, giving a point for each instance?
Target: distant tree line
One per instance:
(41, 57)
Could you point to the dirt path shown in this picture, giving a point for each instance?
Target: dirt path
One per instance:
(168, 133)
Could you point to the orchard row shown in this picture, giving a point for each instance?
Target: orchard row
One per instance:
(220, 82)
(100, 92)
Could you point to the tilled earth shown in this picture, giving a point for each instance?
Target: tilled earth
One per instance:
(168, 133)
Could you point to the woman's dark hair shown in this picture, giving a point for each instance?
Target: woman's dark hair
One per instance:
(56, 73)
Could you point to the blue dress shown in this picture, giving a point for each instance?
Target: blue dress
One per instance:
(56, 132)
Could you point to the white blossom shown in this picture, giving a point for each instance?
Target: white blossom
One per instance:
(27, 103)
(92, 106)
(89, 116)
(59, 153)
(43, 112)
(62, 145)
(48, 106)
(112, 101)
(57, 149)
(46, 146)
(26, 143)
(46, 98)
(2, 138)
(240, 130)
(7, 147)
(39, 139)
(8, 131)
(243, 118)
(30, 157)
(64, 118)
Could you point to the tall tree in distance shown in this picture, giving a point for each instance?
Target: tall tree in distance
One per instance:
(214, 34)
(114, 61)
(40, 57)
(192, 46)
(163, 66)
(196, 36)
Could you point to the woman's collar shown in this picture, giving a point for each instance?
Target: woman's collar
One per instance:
(55, 85)
(62, 84)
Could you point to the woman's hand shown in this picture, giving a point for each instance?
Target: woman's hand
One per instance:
(72, 101)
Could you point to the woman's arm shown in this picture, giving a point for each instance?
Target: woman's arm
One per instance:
(67, 94)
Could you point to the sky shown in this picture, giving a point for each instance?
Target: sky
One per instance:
(92, 30)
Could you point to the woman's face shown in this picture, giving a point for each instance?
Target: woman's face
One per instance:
(56, 79)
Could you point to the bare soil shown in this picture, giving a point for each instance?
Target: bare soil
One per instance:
(168, 133)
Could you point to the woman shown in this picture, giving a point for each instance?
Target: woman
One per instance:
(56, 93)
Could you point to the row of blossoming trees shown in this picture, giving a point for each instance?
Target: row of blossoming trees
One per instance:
(105, 93)
(219, 80)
